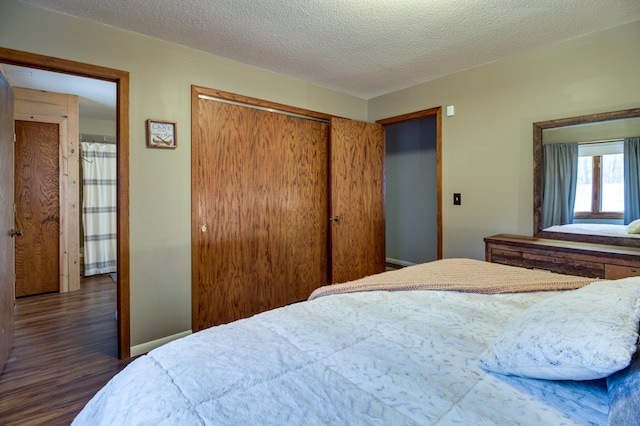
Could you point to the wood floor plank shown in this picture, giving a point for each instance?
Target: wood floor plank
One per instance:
(65, 350)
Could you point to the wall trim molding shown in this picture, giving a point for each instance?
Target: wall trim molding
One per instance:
(399, 262)
(143, 348)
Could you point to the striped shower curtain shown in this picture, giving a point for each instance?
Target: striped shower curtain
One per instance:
(99, 207)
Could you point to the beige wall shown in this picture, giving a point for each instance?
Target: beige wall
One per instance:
(487, 145)
(94, 126)
(161, 75)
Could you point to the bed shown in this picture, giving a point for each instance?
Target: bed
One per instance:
(446, 342)
(604, 230)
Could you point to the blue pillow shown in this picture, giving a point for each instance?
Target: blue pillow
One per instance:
(624, 394)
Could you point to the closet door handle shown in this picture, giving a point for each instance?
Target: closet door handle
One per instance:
(335, 218)
(15, 232)
(52, 217)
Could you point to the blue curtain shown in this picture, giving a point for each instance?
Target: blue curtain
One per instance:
(560, 179)
(631, 179)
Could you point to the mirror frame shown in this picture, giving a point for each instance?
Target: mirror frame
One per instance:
(538, 170)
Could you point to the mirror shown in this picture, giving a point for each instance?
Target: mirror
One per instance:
(586, 128)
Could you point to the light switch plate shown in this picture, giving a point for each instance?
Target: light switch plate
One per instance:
(450, 110)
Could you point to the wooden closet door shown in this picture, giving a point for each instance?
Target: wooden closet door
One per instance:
(357, 199)
(259, 211)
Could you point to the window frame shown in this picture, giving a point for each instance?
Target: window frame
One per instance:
(596, 194)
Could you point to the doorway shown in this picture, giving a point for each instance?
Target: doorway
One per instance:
(121, 80)
(53, 166)
(413, 188)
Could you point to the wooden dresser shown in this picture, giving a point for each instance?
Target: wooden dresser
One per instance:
(565, 257)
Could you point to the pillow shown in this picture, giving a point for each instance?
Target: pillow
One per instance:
(624, 395)
(634, 227)
(582, 334)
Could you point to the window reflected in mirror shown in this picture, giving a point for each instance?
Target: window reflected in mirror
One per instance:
(600, 185)
(586, 179)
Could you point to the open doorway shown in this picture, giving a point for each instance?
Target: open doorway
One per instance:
(65, 179)
(413, 188)
(119, 81)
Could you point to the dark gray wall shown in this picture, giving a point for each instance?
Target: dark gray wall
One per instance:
(411, 191)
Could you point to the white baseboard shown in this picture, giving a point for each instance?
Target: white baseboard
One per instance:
(399, 262)
(143, 348)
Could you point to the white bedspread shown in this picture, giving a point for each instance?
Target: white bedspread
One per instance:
(601, 229)
(380, 358)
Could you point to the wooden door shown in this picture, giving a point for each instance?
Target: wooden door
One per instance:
(7, 289)
(357, 199)
(37, 208)
(259, 211)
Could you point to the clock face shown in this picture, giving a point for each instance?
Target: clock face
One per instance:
(162, 134)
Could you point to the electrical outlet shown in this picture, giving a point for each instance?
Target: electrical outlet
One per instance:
(457, 199)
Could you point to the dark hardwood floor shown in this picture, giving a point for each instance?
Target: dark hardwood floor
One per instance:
(64, 351)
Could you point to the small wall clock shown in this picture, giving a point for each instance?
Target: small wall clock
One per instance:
(161, 134)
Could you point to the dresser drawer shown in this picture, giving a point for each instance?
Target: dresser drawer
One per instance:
(562, 264)
(565, 257)
(614, 272)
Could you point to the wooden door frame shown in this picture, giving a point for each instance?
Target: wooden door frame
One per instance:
(121, 80)
(437, 112)
(61, 109)
(7, 220)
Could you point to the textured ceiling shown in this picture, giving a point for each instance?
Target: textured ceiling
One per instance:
(364, 48)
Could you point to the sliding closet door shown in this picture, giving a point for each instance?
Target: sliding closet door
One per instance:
(357, 199)
(259, 211)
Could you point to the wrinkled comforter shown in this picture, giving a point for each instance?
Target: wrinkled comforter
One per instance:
(365, 358)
